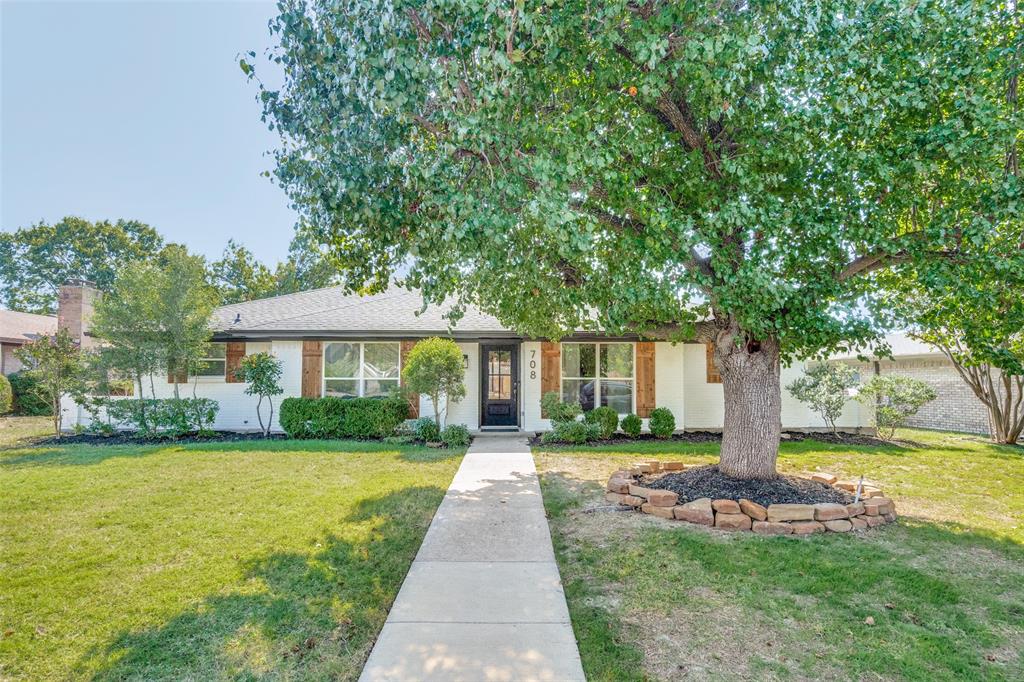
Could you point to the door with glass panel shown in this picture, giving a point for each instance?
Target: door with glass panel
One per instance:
(500, 385)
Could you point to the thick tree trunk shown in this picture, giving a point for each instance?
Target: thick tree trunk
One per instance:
(753, 405)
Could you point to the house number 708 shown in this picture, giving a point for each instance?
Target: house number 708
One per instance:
(533, 364)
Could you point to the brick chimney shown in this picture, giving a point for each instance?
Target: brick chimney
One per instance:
(74, 310)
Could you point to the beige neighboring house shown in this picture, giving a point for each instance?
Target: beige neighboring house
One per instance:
(17, 329)
(955, 409)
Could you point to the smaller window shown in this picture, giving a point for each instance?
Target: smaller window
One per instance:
(215, 362)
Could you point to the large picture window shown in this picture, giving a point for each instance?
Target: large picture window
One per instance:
(360, 370)
(598, 374)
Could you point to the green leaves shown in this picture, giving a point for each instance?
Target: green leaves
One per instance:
(562, 162)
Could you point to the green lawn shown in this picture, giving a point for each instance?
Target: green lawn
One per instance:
(206, 561)
(654, 599)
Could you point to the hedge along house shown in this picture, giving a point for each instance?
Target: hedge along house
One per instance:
(335, 344)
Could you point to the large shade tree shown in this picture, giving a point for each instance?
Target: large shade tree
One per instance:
(736, 173)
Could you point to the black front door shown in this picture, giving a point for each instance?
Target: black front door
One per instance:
(500, 384)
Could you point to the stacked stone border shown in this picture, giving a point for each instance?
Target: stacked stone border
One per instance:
(874, 509)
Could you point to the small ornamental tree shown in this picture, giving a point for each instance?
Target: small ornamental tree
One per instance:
(262, 372)
(55, 363)
(826, 389)
(434, 368)
(895, 399)
(731, 173)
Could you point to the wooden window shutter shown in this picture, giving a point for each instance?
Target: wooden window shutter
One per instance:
(550, 369)
(235, 353)
(712, 369)
(312, 368)
(644, 378)
(414, 400)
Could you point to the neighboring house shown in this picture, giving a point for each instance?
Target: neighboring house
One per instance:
(17, 329)
(330, 343)
(955, 409)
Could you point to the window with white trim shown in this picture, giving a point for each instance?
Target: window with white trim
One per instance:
(599, 374)
(214, 364)
(361, 370)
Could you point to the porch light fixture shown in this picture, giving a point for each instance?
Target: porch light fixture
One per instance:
(465, 361)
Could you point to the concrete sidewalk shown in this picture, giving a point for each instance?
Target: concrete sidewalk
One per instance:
(483, 599)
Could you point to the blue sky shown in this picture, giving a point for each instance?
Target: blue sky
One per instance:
(138, 109)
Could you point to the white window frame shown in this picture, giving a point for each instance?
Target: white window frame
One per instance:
(362, 378)
(213, 377)
(598, 379)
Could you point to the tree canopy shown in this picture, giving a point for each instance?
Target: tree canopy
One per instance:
(240, 276)
(35, 261)
(652, 163)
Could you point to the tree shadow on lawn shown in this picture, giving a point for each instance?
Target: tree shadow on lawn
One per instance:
(293, 614)
(947, 601)
(80, 454)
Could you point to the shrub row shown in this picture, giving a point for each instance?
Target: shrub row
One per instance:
(154, 417)
(599, 423)
(343, 417)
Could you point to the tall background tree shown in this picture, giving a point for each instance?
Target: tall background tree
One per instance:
(241, 277)
(735, 173)
(35, 261)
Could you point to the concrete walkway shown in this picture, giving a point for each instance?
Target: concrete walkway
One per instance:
(483, 599)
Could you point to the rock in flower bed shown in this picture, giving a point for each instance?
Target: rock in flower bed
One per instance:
(788, 505)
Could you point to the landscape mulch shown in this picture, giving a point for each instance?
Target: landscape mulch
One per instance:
(714, 437)
(708, 481)
(131, 439)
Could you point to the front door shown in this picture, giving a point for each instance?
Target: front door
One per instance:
(500, 389)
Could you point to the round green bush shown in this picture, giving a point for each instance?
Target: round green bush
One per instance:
(575, 433)
(6, 396)
(426, 430)
(606, 418)
(455, 436)
(663, 424)
(632, 425)
(27, 402)
(551, 404)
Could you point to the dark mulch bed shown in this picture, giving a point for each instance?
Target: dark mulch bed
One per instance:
(713, 437)
(131, 439)
(707, 481)
(621, 438)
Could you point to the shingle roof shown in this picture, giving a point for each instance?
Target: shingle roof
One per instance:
(331, 311)
(18, 327)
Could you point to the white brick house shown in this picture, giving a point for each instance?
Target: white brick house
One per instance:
(331, 343)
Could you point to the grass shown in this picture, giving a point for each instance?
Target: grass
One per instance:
(206, 561)
(654, 599)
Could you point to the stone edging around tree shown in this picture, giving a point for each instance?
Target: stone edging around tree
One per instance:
(776, 519)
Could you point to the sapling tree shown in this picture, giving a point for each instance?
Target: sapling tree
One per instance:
(825, 387)
(262, 373)
(731, 173)
(55, 363)
(895, 399)
(434, 368)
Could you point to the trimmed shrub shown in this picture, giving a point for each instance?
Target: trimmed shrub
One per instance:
(170, 417)
(551, 404)
(332, 417)
(6, 395)
(663, 424)
(574, 432)
(426, 430)
(26, 401)
(455, 436)
(606, 418)
(632, 425)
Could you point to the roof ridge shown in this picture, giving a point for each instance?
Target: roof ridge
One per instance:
(321, 311)
(277, 296)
